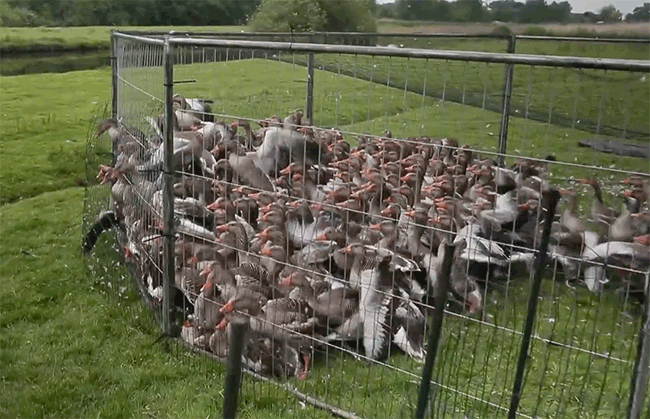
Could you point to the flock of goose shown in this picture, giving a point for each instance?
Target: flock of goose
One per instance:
(313, 241)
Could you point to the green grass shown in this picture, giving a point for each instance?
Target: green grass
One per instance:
(587, 99)
(80, 342)
(53, 63)
(44, 125)
(71, 347)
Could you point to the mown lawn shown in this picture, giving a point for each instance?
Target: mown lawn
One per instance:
(81, 343)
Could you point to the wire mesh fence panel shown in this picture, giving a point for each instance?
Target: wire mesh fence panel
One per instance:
(327, 236)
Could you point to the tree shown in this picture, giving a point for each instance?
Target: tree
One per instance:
(559, 12)
(127, 12)
(315, 15)
(349, 15)
(467, 10)
(506, 10)
(639, 14)
(610, 14)
(534, 11)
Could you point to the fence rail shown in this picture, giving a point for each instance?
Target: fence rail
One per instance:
(513, 339)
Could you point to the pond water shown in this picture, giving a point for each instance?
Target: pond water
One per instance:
(12, 65)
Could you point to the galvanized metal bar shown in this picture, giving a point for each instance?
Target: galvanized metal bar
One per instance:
(233, 374)
(500, 58)
(393, 35)
(440, 300)
(143, 39)
(552, 198)
(507, 98)
(168, 191)
(639, 386)
(318, 34)
(585, 39)
(114, 88)
(309, 107)
(113, 75)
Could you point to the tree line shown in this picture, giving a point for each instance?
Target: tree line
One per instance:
(126, 12)
(297, 15)
(530, 11)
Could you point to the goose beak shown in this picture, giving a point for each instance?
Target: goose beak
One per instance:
(322, 237)
(387, 212)
(303, 375)
(286, 170)
(205, 272)
(213, 206)
(628, 194)
(347, 250)
(411, 213)
(222, 325)
(227, 308)
(627, 181)
(287, 281)
(208, 284)
(374, 227)
(223, 228)
(644, 240)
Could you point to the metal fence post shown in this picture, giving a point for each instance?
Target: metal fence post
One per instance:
(113, 75)
(639, 384)
(233, 374)
(114, 87)
(552, 201)
(309, 107)
(168, 191)
(507, 96)
(440, 299)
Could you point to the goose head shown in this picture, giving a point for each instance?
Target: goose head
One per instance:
(644, 240)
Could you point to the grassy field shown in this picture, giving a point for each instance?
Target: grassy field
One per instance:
(76, 346)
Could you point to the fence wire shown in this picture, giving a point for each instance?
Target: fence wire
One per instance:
(329, 245)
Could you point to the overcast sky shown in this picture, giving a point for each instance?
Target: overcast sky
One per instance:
(581, 6)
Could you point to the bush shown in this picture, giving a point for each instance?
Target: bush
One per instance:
(17, 17)
(502, 30)
(536, 30)
(314, 15)
(584, 33)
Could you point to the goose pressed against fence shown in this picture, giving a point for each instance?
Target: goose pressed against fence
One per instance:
(313, 241)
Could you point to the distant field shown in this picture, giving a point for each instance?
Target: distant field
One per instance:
(622, 29)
